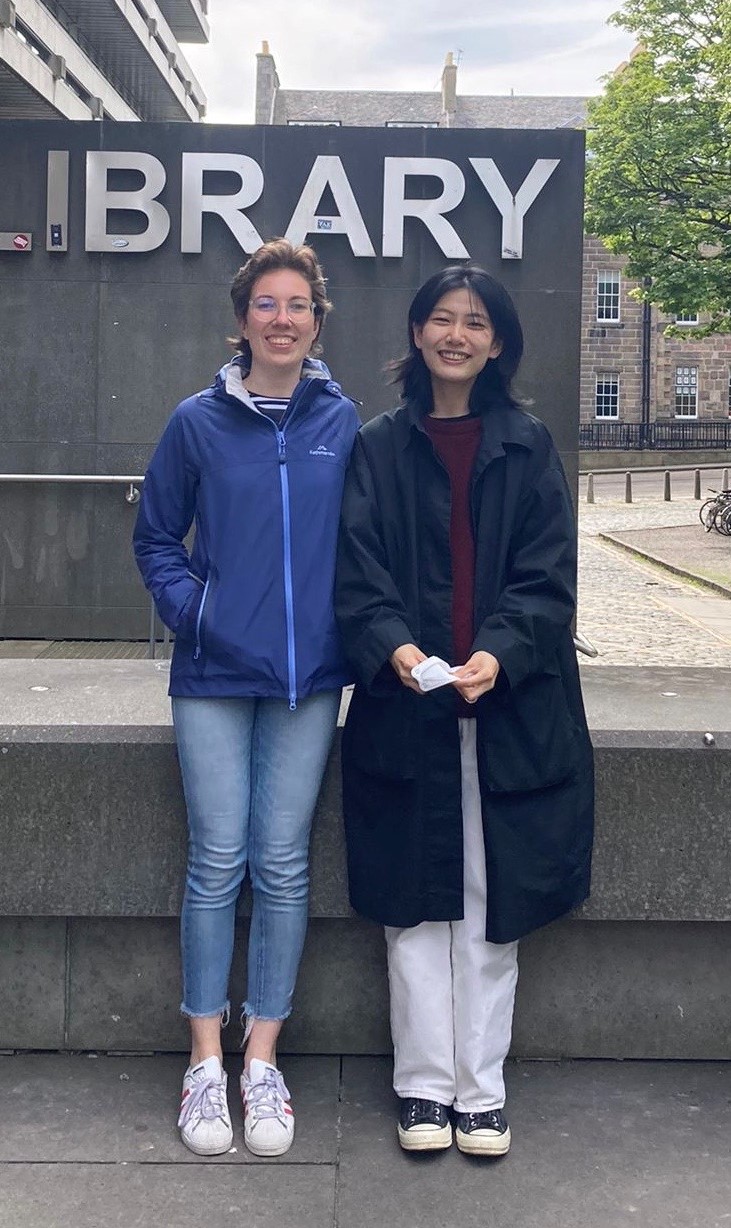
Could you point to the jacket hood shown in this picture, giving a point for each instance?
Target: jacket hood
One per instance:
(230, 378)
(312, 368)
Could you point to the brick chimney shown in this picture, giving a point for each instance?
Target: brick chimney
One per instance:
(449, 91)
(267, 84)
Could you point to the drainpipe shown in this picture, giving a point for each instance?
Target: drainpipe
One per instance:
(646, 340)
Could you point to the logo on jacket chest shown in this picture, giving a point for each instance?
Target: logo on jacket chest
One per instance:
(321, 451)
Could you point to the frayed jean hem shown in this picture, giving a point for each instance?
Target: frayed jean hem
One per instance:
(224, 1012)
(248, 1016)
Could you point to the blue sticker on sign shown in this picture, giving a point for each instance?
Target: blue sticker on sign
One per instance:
(324, 223)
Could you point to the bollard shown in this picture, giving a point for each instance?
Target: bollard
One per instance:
(628, 487)
(697, 484)
(590, 488)
(666, 490)
(724, 480)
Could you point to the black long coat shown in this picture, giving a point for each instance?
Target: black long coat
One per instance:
(401, 759)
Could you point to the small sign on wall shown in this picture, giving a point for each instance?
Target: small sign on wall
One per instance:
(15, 241)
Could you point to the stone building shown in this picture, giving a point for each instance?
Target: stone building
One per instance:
(637, 385)
(631, 372)
(72, 59)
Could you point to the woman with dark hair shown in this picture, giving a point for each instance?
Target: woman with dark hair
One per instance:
(257, 462)
(467, 765)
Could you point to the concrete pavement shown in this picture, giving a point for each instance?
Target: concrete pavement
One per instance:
(90, 1142)
(639, 613)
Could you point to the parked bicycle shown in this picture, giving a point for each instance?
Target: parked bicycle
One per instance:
(715, 513)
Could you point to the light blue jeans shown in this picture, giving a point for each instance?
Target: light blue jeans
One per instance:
(251, 772)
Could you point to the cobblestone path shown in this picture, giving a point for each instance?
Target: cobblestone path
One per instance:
(626, 606)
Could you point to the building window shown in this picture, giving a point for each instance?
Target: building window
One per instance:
(687, 318)
(686, 392)
(607, 294)
(607, 395)
(313, 123)
(411, 123)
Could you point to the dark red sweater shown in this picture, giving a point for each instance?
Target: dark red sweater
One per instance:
(456, 442)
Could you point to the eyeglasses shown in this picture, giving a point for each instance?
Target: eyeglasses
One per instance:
(266, 308)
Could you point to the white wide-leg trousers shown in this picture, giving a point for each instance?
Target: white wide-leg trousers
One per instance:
(452, 993)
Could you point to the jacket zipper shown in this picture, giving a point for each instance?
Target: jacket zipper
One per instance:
(309, 387)
(197, 653)
(288, 588)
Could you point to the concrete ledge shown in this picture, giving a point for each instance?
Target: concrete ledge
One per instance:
(92, 828)
(92, 824)
(649, 458)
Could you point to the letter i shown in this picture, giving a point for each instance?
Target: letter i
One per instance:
(57, 201)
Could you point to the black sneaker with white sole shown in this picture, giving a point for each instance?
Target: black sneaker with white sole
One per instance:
(424, 1125)
(483, 1134)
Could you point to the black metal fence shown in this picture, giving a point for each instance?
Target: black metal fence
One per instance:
(661, 436)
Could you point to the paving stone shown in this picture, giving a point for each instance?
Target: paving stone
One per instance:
(607, 1145)
(76, 1108)
(33, 980)
(116, 1196)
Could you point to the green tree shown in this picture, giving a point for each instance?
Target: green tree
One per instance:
(659, 169)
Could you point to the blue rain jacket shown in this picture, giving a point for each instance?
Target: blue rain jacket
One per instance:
(251, 604)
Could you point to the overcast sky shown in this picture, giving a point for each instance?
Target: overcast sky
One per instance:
(529, 46)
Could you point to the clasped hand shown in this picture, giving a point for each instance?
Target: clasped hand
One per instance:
(475, 678)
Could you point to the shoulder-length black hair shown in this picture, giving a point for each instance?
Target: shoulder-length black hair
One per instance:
(494, 381)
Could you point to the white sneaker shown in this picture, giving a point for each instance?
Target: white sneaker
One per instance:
(268, 1116)
(204, 1121)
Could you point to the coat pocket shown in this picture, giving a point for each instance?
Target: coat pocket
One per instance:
(530, 738)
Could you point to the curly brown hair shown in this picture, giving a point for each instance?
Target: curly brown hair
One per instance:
(273, 255)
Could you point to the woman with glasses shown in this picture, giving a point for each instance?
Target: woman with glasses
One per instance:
(257, 464)
(467, 766)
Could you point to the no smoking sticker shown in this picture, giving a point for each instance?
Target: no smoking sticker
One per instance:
(16, 241)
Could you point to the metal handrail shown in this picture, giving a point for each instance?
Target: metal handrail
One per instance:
(582, 644)
(131, 495)
(70, 477)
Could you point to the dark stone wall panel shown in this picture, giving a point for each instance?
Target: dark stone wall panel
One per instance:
(610, 990)
(663, 842)
(49, 361)
(98, 828)
(33, 980)
(46, 550)
(625, 990)
(124, 988)
(159, 344)
(98, 348)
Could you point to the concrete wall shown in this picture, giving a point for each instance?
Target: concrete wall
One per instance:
(98, 347)
(92, 831)
(592, 462)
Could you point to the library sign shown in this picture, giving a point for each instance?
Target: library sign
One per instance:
(128, 189)
(326, 175)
